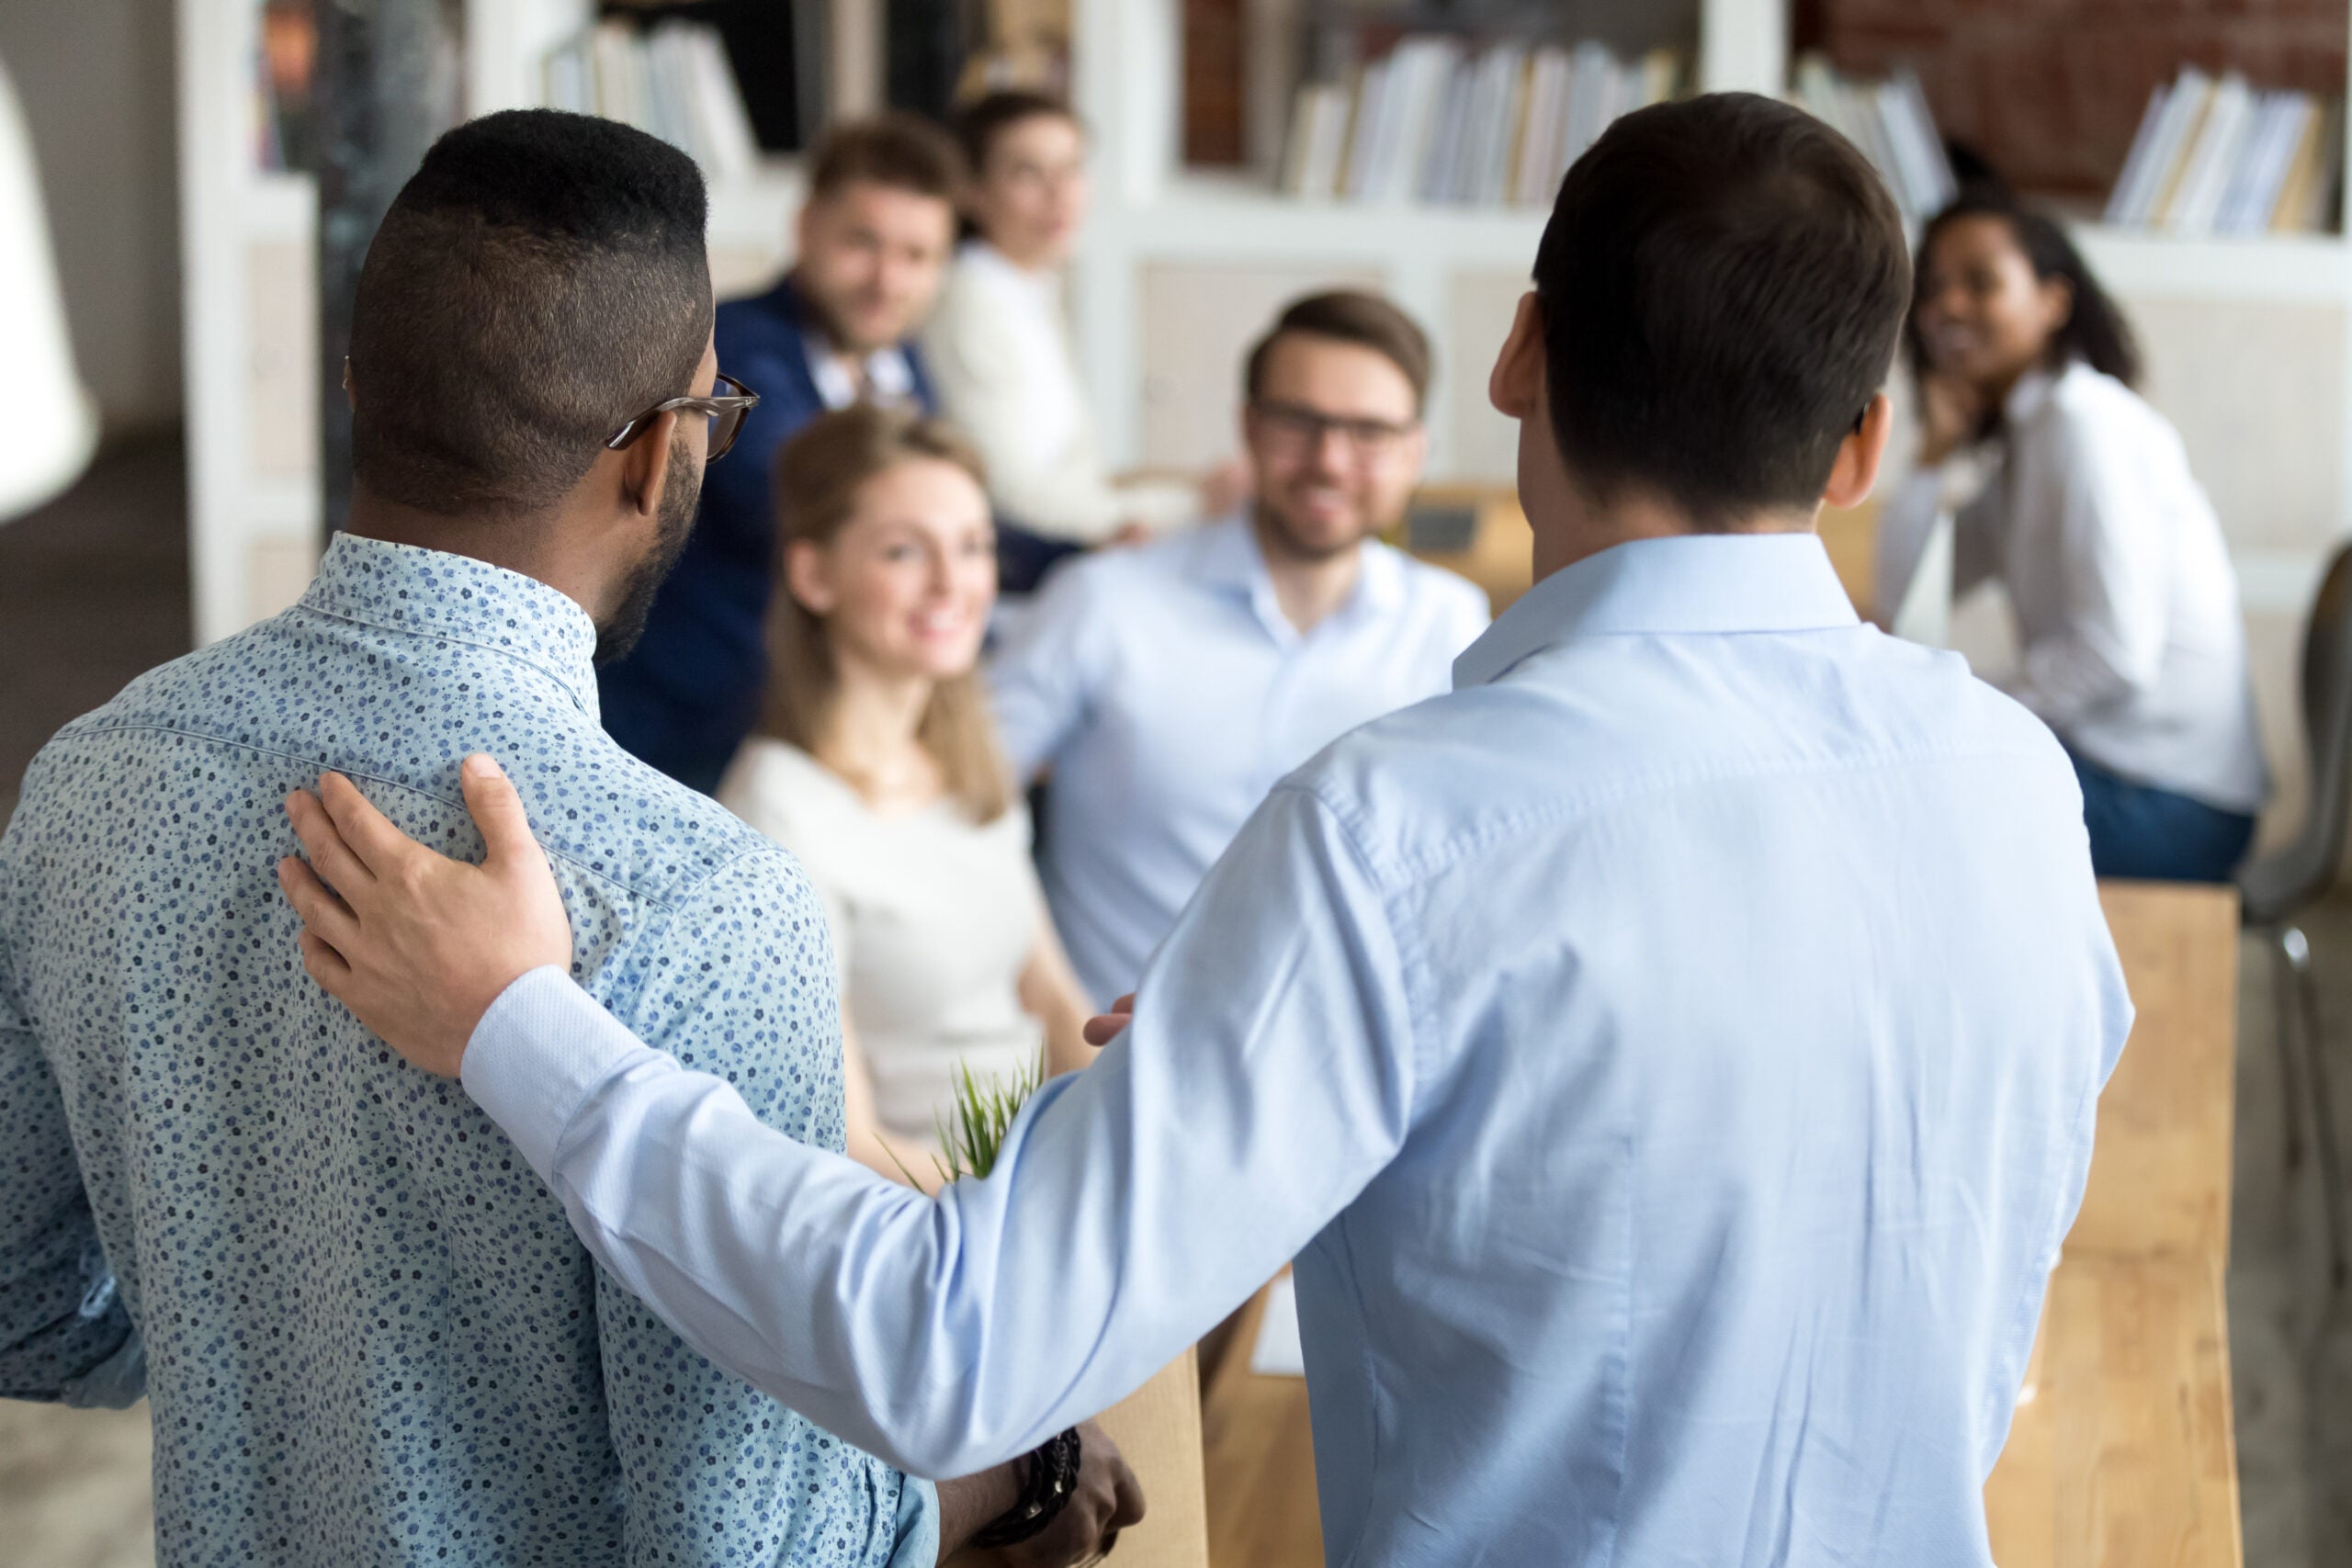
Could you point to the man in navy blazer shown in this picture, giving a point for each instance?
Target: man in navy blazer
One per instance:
(875, 237)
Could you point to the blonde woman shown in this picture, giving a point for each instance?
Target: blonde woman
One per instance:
(876, 765)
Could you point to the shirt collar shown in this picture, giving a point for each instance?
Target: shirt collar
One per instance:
(1691, 584)
(453, 598)
(1230, 557)
(889, 377)
(2028, 396)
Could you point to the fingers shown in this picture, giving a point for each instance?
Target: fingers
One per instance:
(498, 813)
(323, 915)
(1127, 1499)
(1104, 1028)
(380, 846)
(322, 843)
(324, 964)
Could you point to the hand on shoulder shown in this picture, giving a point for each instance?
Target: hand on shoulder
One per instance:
(418, 945)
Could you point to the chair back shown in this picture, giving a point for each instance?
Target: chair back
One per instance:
(2303, 870)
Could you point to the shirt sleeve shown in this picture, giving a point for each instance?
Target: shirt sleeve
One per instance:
(1265, 1079)
(2114, 567)
(65, 1335)
(736, 982)
(1908, 518)
(1042, 682)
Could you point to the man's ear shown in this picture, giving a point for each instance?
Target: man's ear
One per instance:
(645, 465)
(1517, 380)
(1856, 470)
(350, 393)
(805, 579)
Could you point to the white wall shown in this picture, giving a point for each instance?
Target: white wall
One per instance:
(95, 78)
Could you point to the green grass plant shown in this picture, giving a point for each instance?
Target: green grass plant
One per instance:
(972, 1131)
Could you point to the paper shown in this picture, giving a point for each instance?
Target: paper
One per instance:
(1277, 1352)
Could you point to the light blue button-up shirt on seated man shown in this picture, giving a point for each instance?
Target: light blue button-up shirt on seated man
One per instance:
(1168, 692)
(1671, 1058)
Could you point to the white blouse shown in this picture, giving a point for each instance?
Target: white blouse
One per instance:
(2133, 646)
(934, 918)
(999, 351)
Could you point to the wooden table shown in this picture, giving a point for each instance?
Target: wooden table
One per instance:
(2125, 1455)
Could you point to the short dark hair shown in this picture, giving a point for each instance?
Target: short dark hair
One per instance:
(1349, 316)
(904, 151)
(2096, 331)
(981, 121)
(537, 282)
(1722, 280)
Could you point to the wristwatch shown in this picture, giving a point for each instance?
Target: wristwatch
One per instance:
(1045, 1491)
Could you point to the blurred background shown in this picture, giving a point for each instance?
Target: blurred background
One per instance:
(202, 177)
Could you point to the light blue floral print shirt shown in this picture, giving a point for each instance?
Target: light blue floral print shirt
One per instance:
(367, 1333)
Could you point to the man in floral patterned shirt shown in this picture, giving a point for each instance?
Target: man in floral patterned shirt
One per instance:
(367, 1333)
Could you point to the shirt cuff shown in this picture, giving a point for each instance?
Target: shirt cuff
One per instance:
(116, 1383)
(537, 1053)
(918, 1525)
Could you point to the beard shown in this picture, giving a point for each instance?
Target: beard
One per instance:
(1302, 543)
(618, 632)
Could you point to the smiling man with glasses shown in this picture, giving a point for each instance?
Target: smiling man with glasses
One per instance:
(1168, 688)
(365, 1330)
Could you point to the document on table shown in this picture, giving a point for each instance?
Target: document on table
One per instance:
(1277, 1352)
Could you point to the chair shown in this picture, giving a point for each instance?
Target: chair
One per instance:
(2277, 889)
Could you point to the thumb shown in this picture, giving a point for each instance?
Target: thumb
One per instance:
(497, 812)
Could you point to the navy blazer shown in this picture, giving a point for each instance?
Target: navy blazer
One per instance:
(690, 693)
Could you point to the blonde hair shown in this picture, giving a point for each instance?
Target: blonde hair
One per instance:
(819, 476)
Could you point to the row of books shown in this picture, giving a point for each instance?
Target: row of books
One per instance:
(672, 80)
(1440, 121)
(2219, 156)
(1891, 123)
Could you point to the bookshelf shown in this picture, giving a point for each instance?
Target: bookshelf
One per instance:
(1150, 209)
(1153, 217)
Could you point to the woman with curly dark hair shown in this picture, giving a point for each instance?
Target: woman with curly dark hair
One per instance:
(2077, 494)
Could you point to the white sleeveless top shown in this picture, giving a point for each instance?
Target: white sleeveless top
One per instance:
(934, 917)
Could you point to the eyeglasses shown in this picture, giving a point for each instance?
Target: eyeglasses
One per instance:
(1300, 428)
(725, 410)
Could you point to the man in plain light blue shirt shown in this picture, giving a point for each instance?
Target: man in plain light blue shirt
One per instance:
(1671, 1057)
(1168, 688)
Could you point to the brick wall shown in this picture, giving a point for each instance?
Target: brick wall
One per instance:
(2050, 91)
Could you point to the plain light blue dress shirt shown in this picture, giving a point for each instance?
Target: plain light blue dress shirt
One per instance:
(1671, 1058)
(1169, 692)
